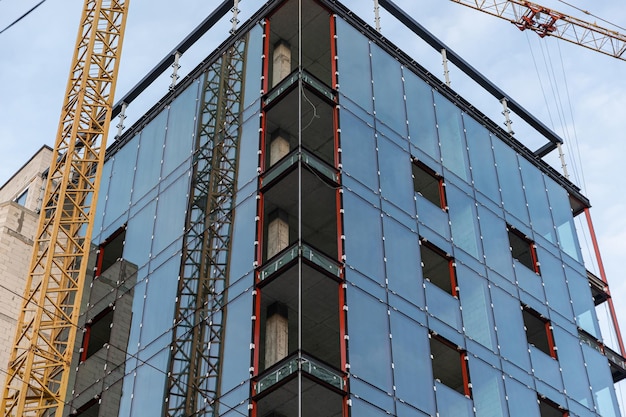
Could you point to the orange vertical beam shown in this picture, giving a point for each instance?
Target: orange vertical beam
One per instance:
(596, 249)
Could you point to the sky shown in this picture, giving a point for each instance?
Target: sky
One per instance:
(579, 93)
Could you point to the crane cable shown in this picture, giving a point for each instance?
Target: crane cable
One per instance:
(22, 16)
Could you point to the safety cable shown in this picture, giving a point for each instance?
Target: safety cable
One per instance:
(22, 16)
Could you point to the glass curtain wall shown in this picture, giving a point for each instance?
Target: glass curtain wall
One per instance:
(458, 250)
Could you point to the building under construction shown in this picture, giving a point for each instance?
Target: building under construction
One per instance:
(312, 224)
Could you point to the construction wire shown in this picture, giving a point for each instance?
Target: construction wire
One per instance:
(593, 15)
(22, 16)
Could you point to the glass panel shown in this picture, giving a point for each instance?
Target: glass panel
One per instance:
(402, 261)
(411, 351)
(546, 368)
(362, 409)
(538, 205)
(148, 168)
(563, 219)
(421, 115)
(277, 263)
(236, 342)
(510, 180)
(254, 61)
(481, 159)
(601, 382)
(452, 404)
(574, 374)
(181, 125)
(477, 313)
(101, 203)
(171, 210)
(139, 236)
(322, 372)
(321, 260)
(443, 306)
(555, 286)
(487, 389)
(511, 334)
(396, 182)
(463, 221)
(388, 92)
(248, 152)
(242, 249)
(160, 301)
(359, 150)
(582, 301)
(355, 76)
(529, 281)
(522, 400)
(362, 228)
(118, 198)
(432, 216)
(451, 137)
(370, 353)
(496, 243)
(149, 377)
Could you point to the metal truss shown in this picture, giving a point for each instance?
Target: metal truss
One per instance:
(37, 378)
(547, 22)
(194, 370)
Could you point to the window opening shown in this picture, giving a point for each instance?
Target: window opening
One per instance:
(429, 184)
(21, 199)
(450, 365)
(97, 333)
(438, 268)
(548, 408)
(522, 249)
(91, 409)
(538, 331)
(111, 250)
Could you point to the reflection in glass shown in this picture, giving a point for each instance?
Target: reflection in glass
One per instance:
(452, 137)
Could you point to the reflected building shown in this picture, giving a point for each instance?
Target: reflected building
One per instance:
(312, 224)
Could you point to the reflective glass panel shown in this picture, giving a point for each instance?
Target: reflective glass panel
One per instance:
(150, 156)
(388, 91)
(511, 334)
(510, 180)
(481, 159)
(452, 138)
(421, 115)
(463, 221)
(395, 175)
(359, 150)
(355, 77)
(370, 353)
(487, 389)
(477, 313)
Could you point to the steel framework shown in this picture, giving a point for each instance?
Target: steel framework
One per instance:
(547, 22)
(194, 370)
(37, 377)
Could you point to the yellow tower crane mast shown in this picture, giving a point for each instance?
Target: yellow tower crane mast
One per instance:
(547, 22)
(39, 367)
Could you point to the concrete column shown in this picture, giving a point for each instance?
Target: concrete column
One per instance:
(277, 232)
(276, 334)
(279, 146)
(282, 62)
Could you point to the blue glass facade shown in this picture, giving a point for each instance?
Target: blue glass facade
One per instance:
(468, 304)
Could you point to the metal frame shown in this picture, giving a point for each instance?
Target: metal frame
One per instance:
(194, 370)
(39, 368)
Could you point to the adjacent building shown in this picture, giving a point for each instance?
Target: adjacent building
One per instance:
(20, 201)
(311, 224)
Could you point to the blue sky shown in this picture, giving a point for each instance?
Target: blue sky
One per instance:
(589, 112)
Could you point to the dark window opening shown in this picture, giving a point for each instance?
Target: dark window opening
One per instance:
(538, 331)
(522, 249)
(438, 268)
(548, 408)
(449, 365)
(111, 250)
(428, 184)
(97, 333)
(91, 409)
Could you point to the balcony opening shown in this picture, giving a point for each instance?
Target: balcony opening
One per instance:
(316, 56)
(449, 365)
(97, 333)
(438, 268)
(429, 184)
(522, 249)
(538, 331)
